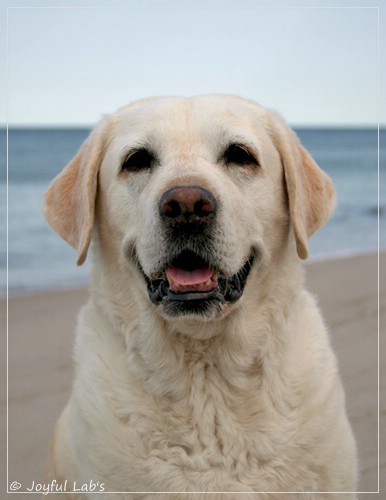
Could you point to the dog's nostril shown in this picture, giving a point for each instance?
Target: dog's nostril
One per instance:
(187, 204)
(171, 209)
(203, 207)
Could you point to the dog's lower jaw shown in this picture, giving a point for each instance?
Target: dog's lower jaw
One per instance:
(200, 328)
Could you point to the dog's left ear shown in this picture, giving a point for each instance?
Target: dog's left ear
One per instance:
(70, 200)
(311, 194)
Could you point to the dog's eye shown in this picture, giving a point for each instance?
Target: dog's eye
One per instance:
(138, 159)
(238, 154)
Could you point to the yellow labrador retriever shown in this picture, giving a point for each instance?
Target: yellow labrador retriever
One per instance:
(202, 364)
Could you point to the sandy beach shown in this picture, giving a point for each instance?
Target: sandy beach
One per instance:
(41, 331)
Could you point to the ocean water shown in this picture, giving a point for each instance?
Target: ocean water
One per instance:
(39, 260)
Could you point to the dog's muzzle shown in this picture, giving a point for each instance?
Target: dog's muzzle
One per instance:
(191, 280)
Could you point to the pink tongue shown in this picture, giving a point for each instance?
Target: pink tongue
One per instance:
(183, 277)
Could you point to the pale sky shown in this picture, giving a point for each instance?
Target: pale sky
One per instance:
(69, 65)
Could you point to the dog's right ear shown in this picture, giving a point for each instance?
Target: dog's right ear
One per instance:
(70, 200)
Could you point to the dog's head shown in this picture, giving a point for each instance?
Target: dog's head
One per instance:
(191, 195)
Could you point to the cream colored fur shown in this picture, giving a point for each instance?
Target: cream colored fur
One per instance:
(246, 401)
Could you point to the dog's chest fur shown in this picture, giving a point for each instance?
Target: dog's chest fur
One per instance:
(178, 414)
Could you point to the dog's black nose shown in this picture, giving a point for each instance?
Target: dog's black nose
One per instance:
(187, 205)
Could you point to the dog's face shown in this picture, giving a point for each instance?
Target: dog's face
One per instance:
(193, 195)
(194, 188)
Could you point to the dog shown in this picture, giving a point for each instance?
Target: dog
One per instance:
(203, 366)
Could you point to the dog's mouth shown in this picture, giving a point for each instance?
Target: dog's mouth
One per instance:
(191, 285)
(189, 273)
